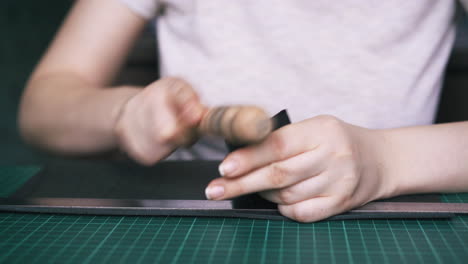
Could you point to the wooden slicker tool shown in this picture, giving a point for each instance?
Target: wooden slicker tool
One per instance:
(238, 124)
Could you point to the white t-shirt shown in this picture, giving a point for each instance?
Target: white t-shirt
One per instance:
(376, 64)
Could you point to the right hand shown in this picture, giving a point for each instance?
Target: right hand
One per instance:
(157, 120)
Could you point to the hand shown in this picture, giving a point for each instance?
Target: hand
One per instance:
(157, 120)
(313, 169)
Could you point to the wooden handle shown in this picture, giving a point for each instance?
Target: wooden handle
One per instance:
(237, 124)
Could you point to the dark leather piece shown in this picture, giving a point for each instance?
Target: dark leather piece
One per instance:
(168, 188)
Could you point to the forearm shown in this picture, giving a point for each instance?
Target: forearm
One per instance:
(62, 113)
(426, 158)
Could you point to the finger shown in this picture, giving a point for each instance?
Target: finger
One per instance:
(276, 175)
(279, 145)
(178, 134)
(312, 210)
(181, 90)
(191, 113)
(187, 122)
(182, 114)
(304, 190)
(185, 101)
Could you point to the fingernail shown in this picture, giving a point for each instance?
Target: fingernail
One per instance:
(214, 192)
(227, 167)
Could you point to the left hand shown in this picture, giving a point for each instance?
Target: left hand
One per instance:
(313, 169)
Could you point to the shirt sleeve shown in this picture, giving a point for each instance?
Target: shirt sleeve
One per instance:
(144, 8)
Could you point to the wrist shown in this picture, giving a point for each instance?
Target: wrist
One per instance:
(123, 95)
(380, 164)
(392, 162)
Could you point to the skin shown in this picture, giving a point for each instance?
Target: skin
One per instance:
(323, 166)
(69, 107)
(313, 169)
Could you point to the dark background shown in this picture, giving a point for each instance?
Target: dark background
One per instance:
(27, 26)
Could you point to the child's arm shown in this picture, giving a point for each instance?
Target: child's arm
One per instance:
(426, 158)
(68, 107)
(323, 166)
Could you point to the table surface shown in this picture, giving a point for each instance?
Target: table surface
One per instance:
(49, 238)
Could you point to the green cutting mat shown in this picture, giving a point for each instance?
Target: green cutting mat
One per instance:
(43, 238)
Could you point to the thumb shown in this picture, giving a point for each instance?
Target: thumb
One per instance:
(312, 210)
